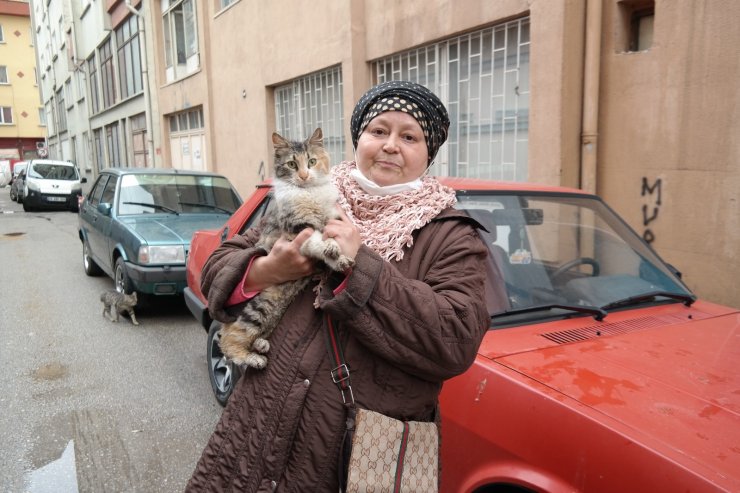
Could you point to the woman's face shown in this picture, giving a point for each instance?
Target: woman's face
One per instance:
(392, 150)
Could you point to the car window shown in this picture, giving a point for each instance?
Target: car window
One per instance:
(109, 191)
(205, 194)
(93, 197)
(258, 214)
(19, 167)
(562, 249)
(53, 171)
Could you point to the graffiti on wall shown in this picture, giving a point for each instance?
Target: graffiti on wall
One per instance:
(651, 206)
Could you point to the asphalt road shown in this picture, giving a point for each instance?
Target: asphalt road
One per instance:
(86, 404)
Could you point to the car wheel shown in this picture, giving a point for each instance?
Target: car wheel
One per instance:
(26, 207)
(12, 194)
(91, 268)
(223, 374)
(121, 278)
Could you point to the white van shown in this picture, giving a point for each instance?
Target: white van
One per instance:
(52, 184)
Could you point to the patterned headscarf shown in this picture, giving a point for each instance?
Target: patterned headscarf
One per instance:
(411, 98)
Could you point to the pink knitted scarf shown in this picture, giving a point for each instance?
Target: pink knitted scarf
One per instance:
(386, 222)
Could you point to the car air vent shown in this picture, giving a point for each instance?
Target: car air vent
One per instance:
(607, 329)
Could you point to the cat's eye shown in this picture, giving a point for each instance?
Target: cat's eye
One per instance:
(312, 162)
(292, 164)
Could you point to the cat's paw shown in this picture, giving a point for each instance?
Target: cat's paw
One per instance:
(331, 250)
(261, 345)
(254, 360)
(343, 264)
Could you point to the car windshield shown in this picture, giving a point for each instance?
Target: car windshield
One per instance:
(51, 171)
(181, 193)
(566, 255)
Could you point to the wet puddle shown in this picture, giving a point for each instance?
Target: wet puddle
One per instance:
(59, 476)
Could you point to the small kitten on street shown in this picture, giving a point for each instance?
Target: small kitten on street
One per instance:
(117, 303)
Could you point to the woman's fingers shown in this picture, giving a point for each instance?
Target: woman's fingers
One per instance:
(344, 232)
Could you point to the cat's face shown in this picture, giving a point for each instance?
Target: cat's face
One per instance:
(303, 164)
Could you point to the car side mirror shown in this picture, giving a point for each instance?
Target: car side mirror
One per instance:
(104, 208)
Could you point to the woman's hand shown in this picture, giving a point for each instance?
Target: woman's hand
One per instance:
(283, 263)
(344, 233)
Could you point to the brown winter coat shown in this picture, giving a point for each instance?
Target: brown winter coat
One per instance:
(406, 327)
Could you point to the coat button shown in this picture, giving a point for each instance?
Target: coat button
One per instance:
(307, 382)
(273, 484)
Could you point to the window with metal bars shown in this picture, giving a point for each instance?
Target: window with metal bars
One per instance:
(483, 79)
(309, 102)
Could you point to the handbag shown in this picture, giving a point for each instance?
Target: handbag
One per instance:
(380, 453)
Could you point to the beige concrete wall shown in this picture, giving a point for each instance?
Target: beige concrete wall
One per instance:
(260, 45)
(185, 93)
(671, 114)
(668, 114)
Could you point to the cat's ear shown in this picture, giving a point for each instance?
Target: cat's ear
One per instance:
(317, 139)
(279, 141)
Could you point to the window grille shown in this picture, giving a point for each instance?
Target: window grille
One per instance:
(483, 79)
(309, 102)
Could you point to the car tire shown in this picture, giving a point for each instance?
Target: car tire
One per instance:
(12, 195)
(222, 374)
(91, 268)
(26, 206)
(121, 279)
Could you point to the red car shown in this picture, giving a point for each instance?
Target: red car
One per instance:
(601, 372)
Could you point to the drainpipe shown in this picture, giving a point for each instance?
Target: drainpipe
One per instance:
(145, 74)
(590, 118)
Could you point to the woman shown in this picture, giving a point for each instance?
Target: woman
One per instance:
(410, 313)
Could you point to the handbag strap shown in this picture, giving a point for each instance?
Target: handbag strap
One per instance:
(340, 373)
(340, 377)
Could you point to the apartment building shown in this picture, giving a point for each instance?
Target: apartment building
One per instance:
(632, 99)
(92, 56)
(22, 119)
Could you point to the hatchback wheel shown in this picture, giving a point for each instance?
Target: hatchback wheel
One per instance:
(223, 374)
(12, 194)
(121, 278)
(91, 268)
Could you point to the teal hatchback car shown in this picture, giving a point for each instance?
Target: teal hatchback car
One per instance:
(136, 224)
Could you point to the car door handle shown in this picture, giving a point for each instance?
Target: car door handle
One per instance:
(224, 234)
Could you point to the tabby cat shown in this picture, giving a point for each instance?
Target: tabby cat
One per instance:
(115, 302)
(304, 196)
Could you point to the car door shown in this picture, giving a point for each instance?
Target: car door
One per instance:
(91, 219)
(104, 222)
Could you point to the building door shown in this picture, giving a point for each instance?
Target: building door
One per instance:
(188, 140)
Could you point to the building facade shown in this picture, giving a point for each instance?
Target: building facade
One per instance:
(96, 90)
(632, 99)
(22, 119)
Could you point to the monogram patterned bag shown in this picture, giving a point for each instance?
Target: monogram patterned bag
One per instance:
(392, 456)
(381, 454)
